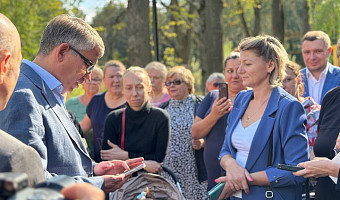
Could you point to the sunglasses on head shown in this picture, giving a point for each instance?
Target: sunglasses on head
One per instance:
(175, 82)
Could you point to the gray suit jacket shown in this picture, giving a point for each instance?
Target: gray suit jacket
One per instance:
(15, 156)
(34, 116)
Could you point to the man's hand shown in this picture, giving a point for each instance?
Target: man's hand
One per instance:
(115, 153)
(83, 191)
(319, 167)
(337, 144)
(114, 182)
(115, 167)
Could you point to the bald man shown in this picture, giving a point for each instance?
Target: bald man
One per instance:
(15, 156)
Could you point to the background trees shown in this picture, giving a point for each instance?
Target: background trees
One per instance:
(195, 33)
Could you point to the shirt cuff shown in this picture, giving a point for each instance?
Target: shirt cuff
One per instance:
(336, 151)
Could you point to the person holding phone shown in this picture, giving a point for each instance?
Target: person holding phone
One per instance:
(265, 127)
(211, 117)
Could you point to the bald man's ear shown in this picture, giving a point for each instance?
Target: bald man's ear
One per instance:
(4, 64)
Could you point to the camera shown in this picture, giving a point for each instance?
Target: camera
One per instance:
(13, 186)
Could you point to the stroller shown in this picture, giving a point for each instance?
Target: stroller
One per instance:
(150, 186)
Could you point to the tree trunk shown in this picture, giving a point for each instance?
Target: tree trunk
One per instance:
(212, 40)
(257, 17)
(278, 21)
(183, 33)
(139, 49)
(305, 17)
(243, 18)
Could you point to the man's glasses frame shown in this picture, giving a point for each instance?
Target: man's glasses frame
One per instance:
(175, 82)
(88, 62)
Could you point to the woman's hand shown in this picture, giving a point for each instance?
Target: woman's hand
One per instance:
(220, 107)
(153, 166)
(197, 144)
(237, 177)
(115, 153)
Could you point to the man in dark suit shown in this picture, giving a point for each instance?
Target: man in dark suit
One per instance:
(15, 156)
(36, 113)
(319, 76)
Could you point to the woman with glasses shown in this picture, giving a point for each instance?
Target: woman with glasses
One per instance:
(77, 105)
(184, 156)
(102, 104)
(265, 127)
(157, 72)
(211, 117)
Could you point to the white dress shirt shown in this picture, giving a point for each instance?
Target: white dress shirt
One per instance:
(315, 86)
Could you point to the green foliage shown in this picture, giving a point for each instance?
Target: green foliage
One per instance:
(326, 17)
(30, 18)
(110, 22)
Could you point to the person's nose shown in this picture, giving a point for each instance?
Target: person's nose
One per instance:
(134, 92)
(240, 69)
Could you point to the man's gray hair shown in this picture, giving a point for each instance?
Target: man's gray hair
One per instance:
(72, 30)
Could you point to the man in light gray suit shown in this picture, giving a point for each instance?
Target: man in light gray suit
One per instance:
(15, 156)
(36, 114)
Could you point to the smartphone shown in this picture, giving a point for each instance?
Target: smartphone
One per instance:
(131, 171)
(289, 167)
(216, 191)
(223, 90)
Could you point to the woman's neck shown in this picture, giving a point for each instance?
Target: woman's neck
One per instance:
(113, 100)
(157, 95)
(261, 93)
(85, 99)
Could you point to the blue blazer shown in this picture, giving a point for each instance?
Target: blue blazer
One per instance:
(34, 116)
(332, 80)
(286, 117)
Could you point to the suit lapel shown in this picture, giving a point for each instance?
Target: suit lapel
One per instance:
(263, 131)
(60, 112)
(239, 113)
(330, 76)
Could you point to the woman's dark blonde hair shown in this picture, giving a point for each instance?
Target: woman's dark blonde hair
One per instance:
(185, 75)
(296, 70)
(269, 49)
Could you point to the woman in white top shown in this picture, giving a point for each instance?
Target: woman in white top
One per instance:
(264, 117)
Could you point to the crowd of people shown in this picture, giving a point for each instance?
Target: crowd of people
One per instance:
(274, 113)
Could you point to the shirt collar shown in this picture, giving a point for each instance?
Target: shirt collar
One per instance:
(49, 79)
(323, 73)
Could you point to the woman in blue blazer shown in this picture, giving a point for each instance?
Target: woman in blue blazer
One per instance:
(257, 114)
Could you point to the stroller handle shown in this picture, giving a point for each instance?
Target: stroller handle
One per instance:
(173, 176)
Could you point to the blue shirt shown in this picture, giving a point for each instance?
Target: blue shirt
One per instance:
(54, 84)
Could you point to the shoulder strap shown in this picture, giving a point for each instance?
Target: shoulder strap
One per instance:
(123, 130)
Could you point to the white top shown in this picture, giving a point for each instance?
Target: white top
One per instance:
(241, 140)
(315, 86)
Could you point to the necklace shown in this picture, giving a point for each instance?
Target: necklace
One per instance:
(251, 116)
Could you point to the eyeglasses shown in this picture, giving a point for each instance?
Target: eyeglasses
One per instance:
(95, 81)
(216, 84)
(175, 82)
(88, 62)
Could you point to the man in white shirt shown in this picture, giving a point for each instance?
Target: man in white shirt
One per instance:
(319, 76)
